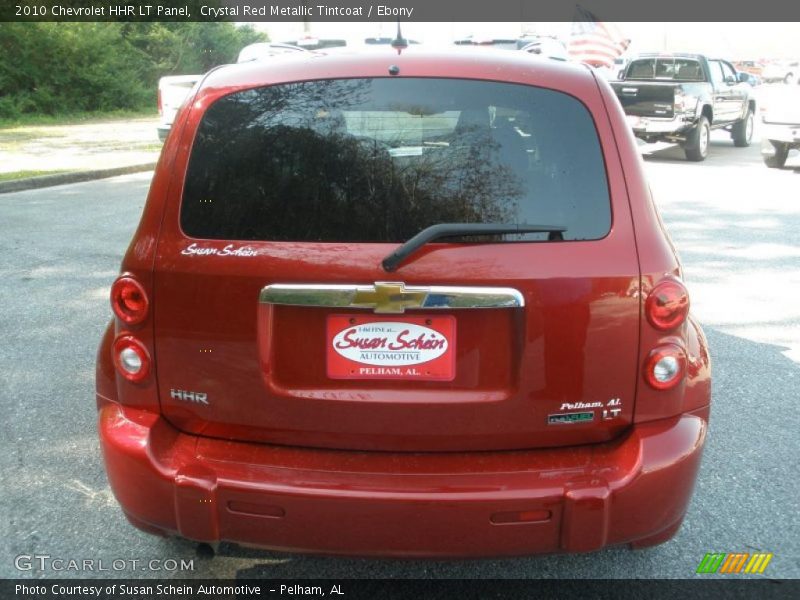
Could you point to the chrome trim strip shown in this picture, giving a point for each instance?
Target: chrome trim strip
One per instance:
(391, 297)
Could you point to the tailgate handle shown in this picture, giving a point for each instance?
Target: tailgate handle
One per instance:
(389, 297)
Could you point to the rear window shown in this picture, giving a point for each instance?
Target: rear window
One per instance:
(378, 160)
(669, 68)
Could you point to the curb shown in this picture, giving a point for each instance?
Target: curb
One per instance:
(32, 183)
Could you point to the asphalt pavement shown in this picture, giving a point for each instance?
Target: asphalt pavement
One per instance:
(736, 225)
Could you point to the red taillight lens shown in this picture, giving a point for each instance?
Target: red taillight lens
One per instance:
(665, 367)
(129, 300)
(667, 305)
(131, 358)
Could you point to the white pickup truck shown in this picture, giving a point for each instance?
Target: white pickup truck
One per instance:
(172, 91)
(780, 124)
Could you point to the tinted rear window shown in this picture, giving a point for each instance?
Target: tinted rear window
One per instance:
(378, 160)
(676, 69)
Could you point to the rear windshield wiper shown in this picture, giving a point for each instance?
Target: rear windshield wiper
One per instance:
(443, 230)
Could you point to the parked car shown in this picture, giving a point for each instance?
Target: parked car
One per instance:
(376, 306)
(172, 91)
(384, 41)
(499, 42)
(780, 131)
(545, 46)
(749, 79)
(539, 45)
(262, 50)
(680, 98)
(314, 43)
(535, 44)
(753, 67)
(781, 72)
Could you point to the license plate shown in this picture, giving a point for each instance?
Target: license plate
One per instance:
(415, 348)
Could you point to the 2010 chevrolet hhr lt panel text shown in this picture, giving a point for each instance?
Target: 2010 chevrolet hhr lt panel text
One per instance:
(414, 304)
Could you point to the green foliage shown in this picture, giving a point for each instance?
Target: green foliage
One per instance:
(60, 68)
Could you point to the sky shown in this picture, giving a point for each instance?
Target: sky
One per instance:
(734, 41)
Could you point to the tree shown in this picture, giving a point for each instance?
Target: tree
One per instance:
(74, 67)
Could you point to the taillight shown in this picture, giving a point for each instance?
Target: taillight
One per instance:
(131, 358)
(129, 300)
(680, 101)
(160, 104)
(667, 306)
(665, 367)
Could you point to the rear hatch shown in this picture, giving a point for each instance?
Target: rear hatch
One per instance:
(276, 322)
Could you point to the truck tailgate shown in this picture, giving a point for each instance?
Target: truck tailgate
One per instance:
(646, 99)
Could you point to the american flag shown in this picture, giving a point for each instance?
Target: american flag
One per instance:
(594, 42)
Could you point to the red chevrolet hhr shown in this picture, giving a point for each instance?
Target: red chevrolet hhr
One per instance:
(415, 304)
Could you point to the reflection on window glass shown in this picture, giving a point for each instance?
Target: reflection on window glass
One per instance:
(378, 160)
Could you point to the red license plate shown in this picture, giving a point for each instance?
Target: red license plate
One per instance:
(391, 347)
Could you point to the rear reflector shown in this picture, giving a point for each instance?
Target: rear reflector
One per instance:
(665, 367)
(131, 358)
(667, 306)
(523, 516)
(260, 510)
(129, 300)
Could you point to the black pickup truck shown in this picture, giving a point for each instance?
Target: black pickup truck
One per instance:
(680, 98)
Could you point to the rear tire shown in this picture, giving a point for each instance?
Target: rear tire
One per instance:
(777, 160)
(206, 551)
(743, 130)
(696, 146)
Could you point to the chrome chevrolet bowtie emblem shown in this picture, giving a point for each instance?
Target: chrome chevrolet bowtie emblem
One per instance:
(389, 297)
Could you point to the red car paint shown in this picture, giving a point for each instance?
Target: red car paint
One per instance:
(239, 433)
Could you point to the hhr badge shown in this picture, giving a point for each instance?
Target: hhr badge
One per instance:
(187, 396)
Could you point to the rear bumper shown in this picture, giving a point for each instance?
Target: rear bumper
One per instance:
(661, 127)
(788, 133)
(163, 131)
(576, 499)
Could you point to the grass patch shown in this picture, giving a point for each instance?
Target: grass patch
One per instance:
(16, 137)
(26, 174)
(76, 118)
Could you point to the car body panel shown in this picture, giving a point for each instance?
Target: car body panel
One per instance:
(579, 290)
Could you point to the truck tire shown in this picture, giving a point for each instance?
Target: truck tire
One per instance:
(696, 146)
(743, 130)
(777, 160)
